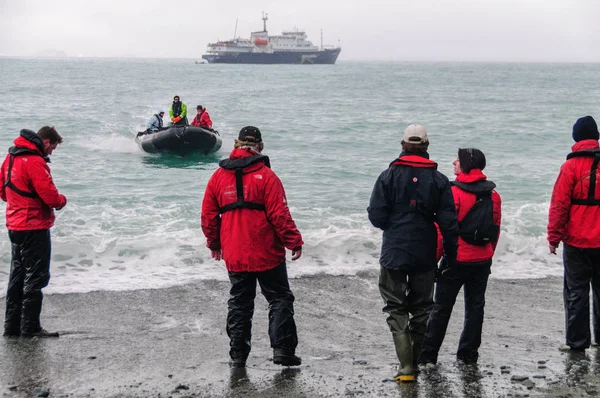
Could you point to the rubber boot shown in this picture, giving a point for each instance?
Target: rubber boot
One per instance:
(404, 351)
(417, 346)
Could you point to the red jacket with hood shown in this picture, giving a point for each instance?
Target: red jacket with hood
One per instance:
(251, 240)
(29, 173)
(202, 120)
(575, 225)
(464, 201)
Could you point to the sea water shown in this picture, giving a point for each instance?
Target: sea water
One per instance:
(133, 219)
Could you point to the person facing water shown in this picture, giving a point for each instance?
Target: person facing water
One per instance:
(155, 123)
(31, 198)
(178, 112)
(247, 223)
(478, 207)
(574, 220)
(202, 118)
(407, 201)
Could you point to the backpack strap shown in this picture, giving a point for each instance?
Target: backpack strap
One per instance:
(8, 183)
(590, 201)
(241, 203)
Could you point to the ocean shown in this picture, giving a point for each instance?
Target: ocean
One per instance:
(133, 219)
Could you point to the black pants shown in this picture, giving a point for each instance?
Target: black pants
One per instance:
(29, 274)
(582, 266)
(181, 123)
(474, 279)
(408, 301)
(276, 289)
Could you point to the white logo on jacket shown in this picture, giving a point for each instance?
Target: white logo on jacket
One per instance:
(258, 176)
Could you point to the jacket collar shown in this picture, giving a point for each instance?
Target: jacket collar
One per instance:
(585, 145)
(420, 160)
(28, 142)
(242, 158)
(472, 176)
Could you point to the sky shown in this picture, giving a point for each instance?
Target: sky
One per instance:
(395, 30)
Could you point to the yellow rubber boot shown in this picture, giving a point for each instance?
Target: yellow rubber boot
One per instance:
(404, 351)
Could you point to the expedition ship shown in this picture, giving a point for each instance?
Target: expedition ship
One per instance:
(291, 47)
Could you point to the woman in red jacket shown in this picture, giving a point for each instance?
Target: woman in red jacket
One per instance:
(478, 207)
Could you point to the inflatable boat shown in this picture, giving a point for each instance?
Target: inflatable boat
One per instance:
(182, 140)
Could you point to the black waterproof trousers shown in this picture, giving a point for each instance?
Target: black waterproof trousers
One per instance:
(29, 274)
(474, 279)
(582, 266)
(276, 289)
(408, 301)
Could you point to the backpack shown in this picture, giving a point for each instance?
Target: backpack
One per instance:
(477, 227)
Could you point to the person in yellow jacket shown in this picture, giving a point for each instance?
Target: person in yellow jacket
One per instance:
(178, 112)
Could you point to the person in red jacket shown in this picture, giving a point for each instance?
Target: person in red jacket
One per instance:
(31, 196)
(247, 223)
(202, 118)
(573, 220)
(478, 207)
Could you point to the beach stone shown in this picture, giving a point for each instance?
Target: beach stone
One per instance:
(529, 384)
(519, 378)
(542, 367)
(41, 392)
(182, 387)
(359, 362)
(12, 388)
(504, 367)
(539, 377)
(92, 357)
(541, 362)
(505, 371)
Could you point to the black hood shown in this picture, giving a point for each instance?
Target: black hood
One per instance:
(242, 163)
(33, 138)
(476, 187)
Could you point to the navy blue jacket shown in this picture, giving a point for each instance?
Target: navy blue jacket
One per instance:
(408, 198)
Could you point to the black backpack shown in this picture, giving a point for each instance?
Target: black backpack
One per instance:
(477, 227)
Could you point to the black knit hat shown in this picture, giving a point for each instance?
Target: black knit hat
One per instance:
(585, 128)
(250, 134)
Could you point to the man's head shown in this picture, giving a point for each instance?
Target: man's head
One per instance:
(50, 138)
(176, 98)
(160, 113)
(251, 138)
(199, 108)
(415, 139)
(585, 128)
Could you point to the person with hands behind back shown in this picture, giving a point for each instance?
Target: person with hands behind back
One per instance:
(247, 223)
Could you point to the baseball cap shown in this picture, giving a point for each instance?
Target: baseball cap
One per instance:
(250, 133)
(415, 134)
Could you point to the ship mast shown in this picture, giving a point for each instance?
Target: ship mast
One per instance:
(235, 31)
(264, 18)
(321, 39)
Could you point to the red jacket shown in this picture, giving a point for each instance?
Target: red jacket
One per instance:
(30, 173)
(576, 225)
(251, 240)
(464, 200)
(202, 120)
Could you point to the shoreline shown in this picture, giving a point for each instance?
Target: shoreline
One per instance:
(172, 342)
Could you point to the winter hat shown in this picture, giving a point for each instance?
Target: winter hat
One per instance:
(250, 134)
(415, 134)
(585, 128)
(199, 107)
(160, 110)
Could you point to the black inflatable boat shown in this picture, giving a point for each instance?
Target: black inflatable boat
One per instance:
(180, 140)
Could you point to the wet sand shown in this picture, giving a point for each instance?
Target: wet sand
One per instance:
(172, 342)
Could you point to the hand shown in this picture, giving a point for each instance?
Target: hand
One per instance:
(216, 254)
(296, 253)
(552, 248)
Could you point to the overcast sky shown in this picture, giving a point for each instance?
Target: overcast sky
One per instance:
(452, 30)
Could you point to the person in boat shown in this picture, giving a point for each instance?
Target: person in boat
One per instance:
(249, 227)
(407, 201)
(478, 207)
(573, 220)
(178, 112)
(156, 122)
(202, 118)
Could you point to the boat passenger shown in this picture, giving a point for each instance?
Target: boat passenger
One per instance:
(202, 118)
(155, 123)
(178, 112)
